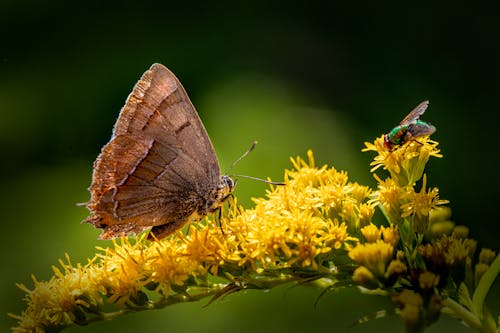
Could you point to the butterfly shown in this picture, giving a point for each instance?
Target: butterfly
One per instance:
(159, 170)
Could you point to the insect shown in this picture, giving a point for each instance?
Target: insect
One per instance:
(410, 128)
(159, 169)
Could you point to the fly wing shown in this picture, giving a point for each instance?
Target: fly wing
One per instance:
(415, 113)
(420, 129)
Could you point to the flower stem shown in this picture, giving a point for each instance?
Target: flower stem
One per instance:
(458, 311)
(160, 304)
(484, 286)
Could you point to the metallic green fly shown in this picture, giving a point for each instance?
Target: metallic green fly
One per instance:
(410, 128)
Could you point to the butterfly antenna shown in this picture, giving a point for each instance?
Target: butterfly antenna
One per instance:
(249, 150)
(260, 179)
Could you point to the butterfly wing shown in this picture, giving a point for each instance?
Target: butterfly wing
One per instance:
(159, 163)
(158, 106)
(415, 113)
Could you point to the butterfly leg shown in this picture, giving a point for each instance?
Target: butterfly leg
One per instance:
(162, 231)
(219, 219)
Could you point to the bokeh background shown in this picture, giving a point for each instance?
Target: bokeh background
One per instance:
(292, 75)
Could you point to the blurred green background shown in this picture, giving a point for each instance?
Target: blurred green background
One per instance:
(326, 76)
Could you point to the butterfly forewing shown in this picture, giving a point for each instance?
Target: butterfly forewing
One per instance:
(159, 106)
(159, 165)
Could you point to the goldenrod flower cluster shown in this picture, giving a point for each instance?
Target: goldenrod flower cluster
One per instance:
(433, 258)
(297, 227)
(304, 231)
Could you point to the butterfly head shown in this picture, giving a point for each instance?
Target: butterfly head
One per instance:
(218, 195)
(228, 185)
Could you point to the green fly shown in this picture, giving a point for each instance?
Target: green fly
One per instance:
(410, 128)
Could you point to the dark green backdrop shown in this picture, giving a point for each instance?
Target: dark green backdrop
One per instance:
(326, 76)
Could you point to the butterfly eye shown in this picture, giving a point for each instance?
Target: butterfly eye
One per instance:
(228, 183)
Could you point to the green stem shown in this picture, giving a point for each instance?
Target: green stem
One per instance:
(456, 310)
(484, 286)
(172, 299)
(214, 290)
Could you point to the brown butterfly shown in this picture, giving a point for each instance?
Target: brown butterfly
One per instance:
(159, 169)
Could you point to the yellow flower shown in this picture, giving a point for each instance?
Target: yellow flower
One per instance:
(461, 231)
(59, 301)
(395, 269)
(122, 272)
(171, 264)
(419, 205)
(198, 245)
(479, 271)
(423, 202)
(428, 280)
(410, 304)
(302, 231)
(388, 197)
(365, 213)
(438, 229)
(487, 256)
(358, 192)
(447, 252)
(439, 222)
(390, 234)
(405, 163)
(363, 276)
(371, 233)
(373, 256)
(440, 214)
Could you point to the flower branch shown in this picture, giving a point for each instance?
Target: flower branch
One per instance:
(318, 229)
